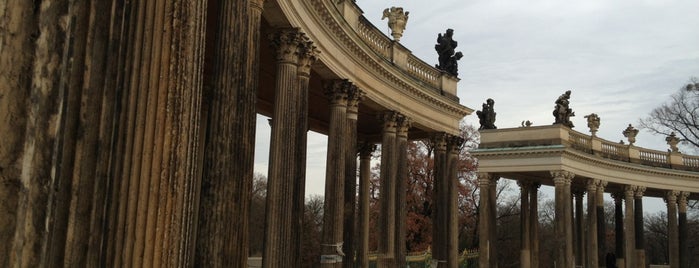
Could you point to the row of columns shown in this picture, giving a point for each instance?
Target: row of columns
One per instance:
(575, 245)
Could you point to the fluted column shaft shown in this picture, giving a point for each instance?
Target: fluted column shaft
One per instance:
(365, 151)
(601, 225)
(563, 224)
(307, 56)
(226, 184)
(638, 224)
(387, 193)
(683, 232)
(579, 228)
(350, 202)
(333, 208)
(492, 221)
(534, 223)
(629, 233)
(452, 243)
(673, 235)
(439, 197)
(592, 242)
(525, 224)
(278, 241)
(403, 125)
(484, 239)
(618, 229)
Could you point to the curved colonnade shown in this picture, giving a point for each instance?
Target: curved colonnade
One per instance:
(577, 164)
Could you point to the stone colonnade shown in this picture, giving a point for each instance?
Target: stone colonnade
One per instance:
(130, 132)
(579, 244)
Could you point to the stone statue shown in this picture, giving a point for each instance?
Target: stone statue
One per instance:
(486, 117)
(396, 21)
(562, 111)
(673, 140)
(445, 49)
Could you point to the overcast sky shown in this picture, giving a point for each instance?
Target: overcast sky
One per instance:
(619, 58)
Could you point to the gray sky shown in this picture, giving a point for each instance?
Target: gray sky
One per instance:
(619, 58)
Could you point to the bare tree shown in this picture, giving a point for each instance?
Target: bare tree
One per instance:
(679, 115)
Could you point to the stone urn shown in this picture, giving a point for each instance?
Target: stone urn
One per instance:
(673, 140)
(630, 133)
(397, 19)
(593, 121)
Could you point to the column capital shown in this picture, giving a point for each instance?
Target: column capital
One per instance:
(630, 191)
(617, 196)
(682, 201)
(671, 196)
(337, 91)
(287, 41)
(354, 97)
(439, 140)
(366, 149)
(308, 54)
(562, 177)
(578, 192)
(454, 144)
(591, 185)
(639, 191)
(600, 185)
(485, 179)
(389, 119)
(524, 184)
(403, 123)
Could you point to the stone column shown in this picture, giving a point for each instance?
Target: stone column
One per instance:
(592, 259)
(337, 92)
(231, 135)
(579, 228)
(683, 234)
(601, 225)
(638, 227)
(156, 181)
(349, 234)
(534, 223)
(403, 125)
(308, 54)
(563, 221)
(280, 188)
(492, 220)
(525, 225)
(629, 233)
(484, 225)
(387, 192)
(452, 243)
(365, 151)
(673, 235)
(618, 228)
(439, 205)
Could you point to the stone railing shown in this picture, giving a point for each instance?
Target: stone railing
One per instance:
(374, 38)
(560, 135)
(400, 56)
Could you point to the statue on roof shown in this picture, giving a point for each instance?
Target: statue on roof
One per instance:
(486, 117)
(562, 111)
(447, 56)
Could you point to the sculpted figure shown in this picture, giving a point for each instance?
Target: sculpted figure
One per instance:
(445, 49)
(562, 111)
(486, 117)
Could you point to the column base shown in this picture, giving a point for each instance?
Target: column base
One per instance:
(640, 258)
(620, 263)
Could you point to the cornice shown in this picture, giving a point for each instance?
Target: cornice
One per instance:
(327, 16)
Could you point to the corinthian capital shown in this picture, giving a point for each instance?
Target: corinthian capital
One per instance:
(354, 97)
(562, 176)
(337, 91)
(308, 54)
(402, 125)
(287, 41)
(389, 119)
